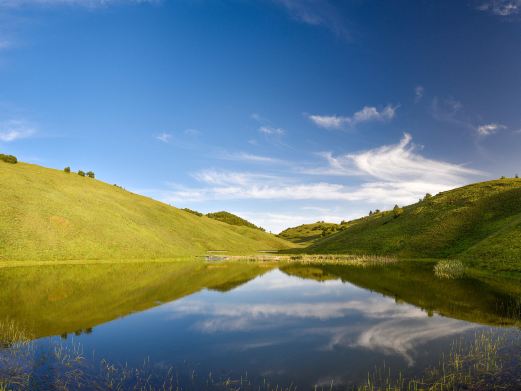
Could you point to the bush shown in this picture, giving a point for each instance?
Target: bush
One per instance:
(90, 174)
(81, 173)
(67, 170)
(8, 158)
(427, 196)
(194, 212)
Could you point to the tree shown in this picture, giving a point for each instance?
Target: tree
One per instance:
(8, 158)
(90, 174)
(67, 170)
(517, 176)
(81, 173)
(397, 211)
(370, 213)
(503, 177)
(427, 196)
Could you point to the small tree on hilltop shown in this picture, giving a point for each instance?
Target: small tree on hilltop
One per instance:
(90, 174)
(517, 176)
(81, 173)
(397, 211)
(427, 196)
(67, 170)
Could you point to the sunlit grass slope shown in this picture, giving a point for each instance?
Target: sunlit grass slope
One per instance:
(47, 214)
(480, 223)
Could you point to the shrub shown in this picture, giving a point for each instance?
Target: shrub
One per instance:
(427, 196)
(517, 176)
(90, 174)
(67, 169)
(194, 212)
(8, 158)
(81, 173)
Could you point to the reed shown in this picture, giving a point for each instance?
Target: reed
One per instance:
(449, 269)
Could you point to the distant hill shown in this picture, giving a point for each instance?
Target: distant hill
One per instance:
(481, 222)
(230, 218)
(310, 233)
(47, 214)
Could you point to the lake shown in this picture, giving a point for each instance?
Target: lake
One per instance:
(291, 325)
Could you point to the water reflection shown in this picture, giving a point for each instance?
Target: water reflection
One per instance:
(340, 314)
(311, 323)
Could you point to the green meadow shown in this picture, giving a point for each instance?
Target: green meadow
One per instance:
(48, 214)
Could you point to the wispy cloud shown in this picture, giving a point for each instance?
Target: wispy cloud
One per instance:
(316, 13)
(366, 114)
(80, 3)
(489, 129)
(271, 130)
(391, 174)
(249, 157)
(13, 130)
(501, 7)
(164, 137)
(418, 93)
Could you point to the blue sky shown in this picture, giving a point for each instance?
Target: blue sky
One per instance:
(282, 111)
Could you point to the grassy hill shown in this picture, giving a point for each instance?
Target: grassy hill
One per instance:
(47, 214)
(310, 233)
(230, 218)
(478, 223)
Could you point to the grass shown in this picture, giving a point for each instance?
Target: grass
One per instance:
(315, 259)
(484, 363)
(479, 224)
(47, 214)
(488, 360)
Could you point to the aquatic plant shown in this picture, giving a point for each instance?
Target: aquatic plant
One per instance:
(318, 259)
(449, 269)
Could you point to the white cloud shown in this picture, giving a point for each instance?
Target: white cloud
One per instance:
(366, 114)
(248, 157)
(385, 176)
(269, 130)
(316, 13)
(15, 130)
(501, 7)
(489, 129)
(164, 137)
(418, 93)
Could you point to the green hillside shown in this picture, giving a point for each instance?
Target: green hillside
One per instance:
(310, 233)
(230, 218)
(48, 214)
(478, 223)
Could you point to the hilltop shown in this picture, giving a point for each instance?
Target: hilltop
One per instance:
(48, 214)
(230, 218)
(479, 223)
(310, 233)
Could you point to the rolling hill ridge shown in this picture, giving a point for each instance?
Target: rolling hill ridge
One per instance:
(479, 222)
(47, 214)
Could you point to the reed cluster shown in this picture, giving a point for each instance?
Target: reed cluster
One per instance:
(449, 269)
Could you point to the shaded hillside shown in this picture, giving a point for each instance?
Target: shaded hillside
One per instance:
(230, 218)
(47, 214)
(479, 222)
(310, 233)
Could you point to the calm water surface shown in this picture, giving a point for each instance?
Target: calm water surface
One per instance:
(309, 325)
